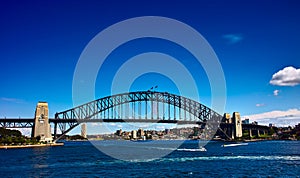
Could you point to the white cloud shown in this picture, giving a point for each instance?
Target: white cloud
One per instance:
(289, 76)
(94, 124)
(143, 125)
(233, 38)
(260, 105)
(279, 118)
(12, 100)
(25, 131)
(276, 92)
(160, 127)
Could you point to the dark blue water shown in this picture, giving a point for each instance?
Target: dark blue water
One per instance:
(82, 159)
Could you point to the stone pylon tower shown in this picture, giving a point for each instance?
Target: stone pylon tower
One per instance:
(238, 133)
(83, 130)
(41, 126)
(227, 118)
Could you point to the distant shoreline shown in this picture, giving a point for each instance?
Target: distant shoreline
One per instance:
(217, 140)
(30, 146)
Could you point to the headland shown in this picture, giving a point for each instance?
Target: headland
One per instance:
(30, 146)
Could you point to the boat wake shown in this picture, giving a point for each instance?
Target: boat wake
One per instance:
(273, 158)
(189, 149)
(234, 144)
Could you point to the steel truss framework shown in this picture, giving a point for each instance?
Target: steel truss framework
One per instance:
(134, 107)
(16, 123)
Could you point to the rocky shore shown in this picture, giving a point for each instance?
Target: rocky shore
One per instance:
(30, 146)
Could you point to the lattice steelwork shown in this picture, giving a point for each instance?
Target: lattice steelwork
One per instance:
(16, 123)
(141, 106)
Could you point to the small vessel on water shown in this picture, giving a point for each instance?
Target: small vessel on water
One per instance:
(234, 144)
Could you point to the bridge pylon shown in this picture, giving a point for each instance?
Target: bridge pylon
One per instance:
(41, 127)
(236, 118)
(83, 130)
(232, 127)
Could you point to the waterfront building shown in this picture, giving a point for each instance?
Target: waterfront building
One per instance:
(119, 132)
(246, 121)
(140, 132)
(134, 134)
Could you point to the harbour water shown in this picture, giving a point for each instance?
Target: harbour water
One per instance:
(82, 159)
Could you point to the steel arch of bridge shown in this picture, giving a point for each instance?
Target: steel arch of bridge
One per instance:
(95, 111)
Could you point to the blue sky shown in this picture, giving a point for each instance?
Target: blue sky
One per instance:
(41, 42)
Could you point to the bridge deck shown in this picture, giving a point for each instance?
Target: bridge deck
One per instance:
(17, 123)
(29, 121)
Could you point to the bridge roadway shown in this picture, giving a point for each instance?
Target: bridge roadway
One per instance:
(28, 122)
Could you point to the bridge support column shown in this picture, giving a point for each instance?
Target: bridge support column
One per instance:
(257, 132)
(229, 129)
(55, 130)
(232, 132)
(41, 126)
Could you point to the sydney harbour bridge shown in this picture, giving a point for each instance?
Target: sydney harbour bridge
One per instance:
(133, 107)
